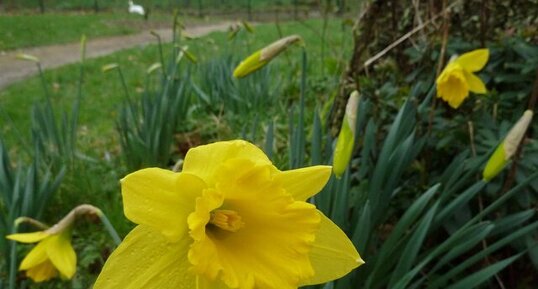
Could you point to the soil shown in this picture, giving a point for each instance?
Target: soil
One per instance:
(13, 69)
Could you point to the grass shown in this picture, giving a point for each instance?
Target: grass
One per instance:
(28, 30)
(103, 92)
(159, 4)
(19, 31)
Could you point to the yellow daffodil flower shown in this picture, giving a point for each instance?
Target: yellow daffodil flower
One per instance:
(230, 219)
(261, 57)
(508, 147)
(53, 254)
(457, 79)
(346, 138)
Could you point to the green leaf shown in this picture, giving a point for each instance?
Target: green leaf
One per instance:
(508, 223)
(390, 246)
(452, 273)
(463, 198)
(362, 230)
(411, 250)
(473, 237)
(477, 278)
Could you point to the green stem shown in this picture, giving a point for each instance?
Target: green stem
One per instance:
(110, 229)
(30, 221)
(301, 134)
(160, 45)
(125, 89)
(76, 104)
(13, 260)
(49, 102)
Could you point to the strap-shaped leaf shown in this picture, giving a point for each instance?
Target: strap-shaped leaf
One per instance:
(477, 278)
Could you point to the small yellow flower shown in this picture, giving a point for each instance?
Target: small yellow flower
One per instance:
(346, 138)
(230, 219)
(457, 79)
(261, 57)
(52, 255)
(508, 147)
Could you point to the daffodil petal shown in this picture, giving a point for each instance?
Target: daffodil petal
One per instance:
(35, 257)
(452, 85)
(332, 255)
(147, 260)
(305, 182)
(161, 199)
(475, 83)
(474, 60)
(28, 237)
(203, 161)
(61, 254)
(42, 272)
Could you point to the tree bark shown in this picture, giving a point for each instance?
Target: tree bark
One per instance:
(42, 6)
(363, 34)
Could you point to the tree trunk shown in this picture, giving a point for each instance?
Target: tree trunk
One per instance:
(200, 8)
(249, 9)
(363, 34)
(42, 6)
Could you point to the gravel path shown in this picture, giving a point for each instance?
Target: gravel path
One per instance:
(13, 70)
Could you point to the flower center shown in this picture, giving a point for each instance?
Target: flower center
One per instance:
(227, 220)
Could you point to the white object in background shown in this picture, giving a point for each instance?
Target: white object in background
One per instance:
(136, 9)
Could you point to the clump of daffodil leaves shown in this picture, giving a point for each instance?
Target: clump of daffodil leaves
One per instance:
(230, 219)
(458, 78)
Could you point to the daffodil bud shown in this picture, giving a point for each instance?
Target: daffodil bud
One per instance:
(189, 55)
(248, 26)
(83, 41)
(109, 67)
(346, 138)
(508, 147)
(261, 57)
(233, 31)
(27, 57)
(153, 67)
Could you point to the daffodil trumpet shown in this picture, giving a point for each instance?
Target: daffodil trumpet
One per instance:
(346, 138)
(229, 219)
(261, 57)
(53, 255)
(508, 147)
(458, 78)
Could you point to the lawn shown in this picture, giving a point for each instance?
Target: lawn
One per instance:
(158, 4)
(103, 92)
(19, 31)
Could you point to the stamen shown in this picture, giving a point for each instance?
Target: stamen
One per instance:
(228, 220)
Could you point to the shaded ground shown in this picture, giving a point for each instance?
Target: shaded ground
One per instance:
(13, 70)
